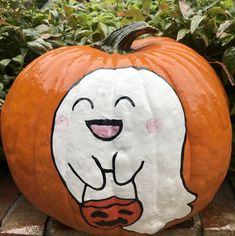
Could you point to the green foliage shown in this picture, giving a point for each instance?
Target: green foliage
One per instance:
(208, 26)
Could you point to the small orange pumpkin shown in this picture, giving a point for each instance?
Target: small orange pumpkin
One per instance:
(118, 138)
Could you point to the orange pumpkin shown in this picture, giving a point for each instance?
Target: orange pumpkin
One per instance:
(118, 141)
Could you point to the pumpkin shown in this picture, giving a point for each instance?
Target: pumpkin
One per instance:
(123, 137)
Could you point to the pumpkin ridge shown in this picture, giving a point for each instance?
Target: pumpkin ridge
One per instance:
(187, 59)
(62, 78)
(216, 81)
(179, 58)
(62, 57)
(169, 57)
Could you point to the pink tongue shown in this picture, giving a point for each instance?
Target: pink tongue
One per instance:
(105, 131)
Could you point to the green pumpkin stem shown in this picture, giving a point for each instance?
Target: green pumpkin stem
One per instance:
(120, 40)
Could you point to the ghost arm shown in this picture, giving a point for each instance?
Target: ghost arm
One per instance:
(124, 169)
(93, 176)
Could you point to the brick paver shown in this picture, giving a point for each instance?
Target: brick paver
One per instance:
(218, 218)
(23, 219)
(8, 193)
(191, 227)
(20, 218)
(55, 228)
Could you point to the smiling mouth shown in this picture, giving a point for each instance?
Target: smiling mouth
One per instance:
(105, 130)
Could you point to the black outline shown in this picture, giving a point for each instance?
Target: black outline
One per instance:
(100, 214)
(183, 145)
(112, 223)
(133, 176)
(97, 207)
(83, 99)
(127, 98)
(86, 184)
(125, 212)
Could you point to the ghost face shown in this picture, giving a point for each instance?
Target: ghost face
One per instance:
(117, 143)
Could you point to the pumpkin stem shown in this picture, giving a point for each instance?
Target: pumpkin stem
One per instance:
(120, 40)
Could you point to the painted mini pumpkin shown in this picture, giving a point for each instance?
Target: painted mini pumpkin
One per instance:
(116, 139)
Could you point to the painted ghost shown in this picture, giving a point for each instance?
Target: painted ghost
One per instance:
(117, 142)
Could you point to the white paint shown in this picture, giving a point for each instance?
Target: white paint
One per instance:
(159, 185)
(111, 189)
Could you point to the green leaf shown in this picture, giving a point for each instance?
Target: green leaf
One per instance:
(196, 20)
(47, 36)
(210, 5)
(185, 9)
(110, 1)
(204, 37)
(146, 5)
(4, 63)
(229, 59)
(103, 29)
(83, 40)
(216, 11)
(30, 33)
(57, 43)
(136, 14)
(54, 13)
(72, 21)
(39, 46)
(83, 19)
(182, 33)
(226, 38)
(19, 59)
(84, 32)
(225, 25)
(42, 29)
(38, 18)
(23, 51)
(232, 111)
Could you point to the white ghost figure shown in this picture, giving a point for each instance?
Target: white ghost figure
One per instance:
(119, 134)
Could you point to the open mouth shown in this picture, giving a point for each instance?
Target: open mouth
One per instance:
(105, 130)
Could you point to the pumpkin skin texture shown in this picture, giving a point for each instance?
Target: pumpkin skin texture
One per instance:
(39, 92)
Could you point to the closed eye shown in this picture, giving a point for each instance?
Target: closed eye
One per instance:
(83, 99)
(125, 98)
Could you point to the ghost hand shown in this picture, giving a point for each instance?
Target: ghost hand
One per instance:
(125, 169)
(90, 174)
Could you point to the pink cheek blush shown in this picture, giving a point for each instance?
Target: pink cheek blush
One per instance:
(62, 122)
(152, 125)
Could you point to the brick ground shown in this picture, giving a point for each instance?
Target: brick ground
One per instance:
(8, 194)
(220, 214)
(19, 218)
